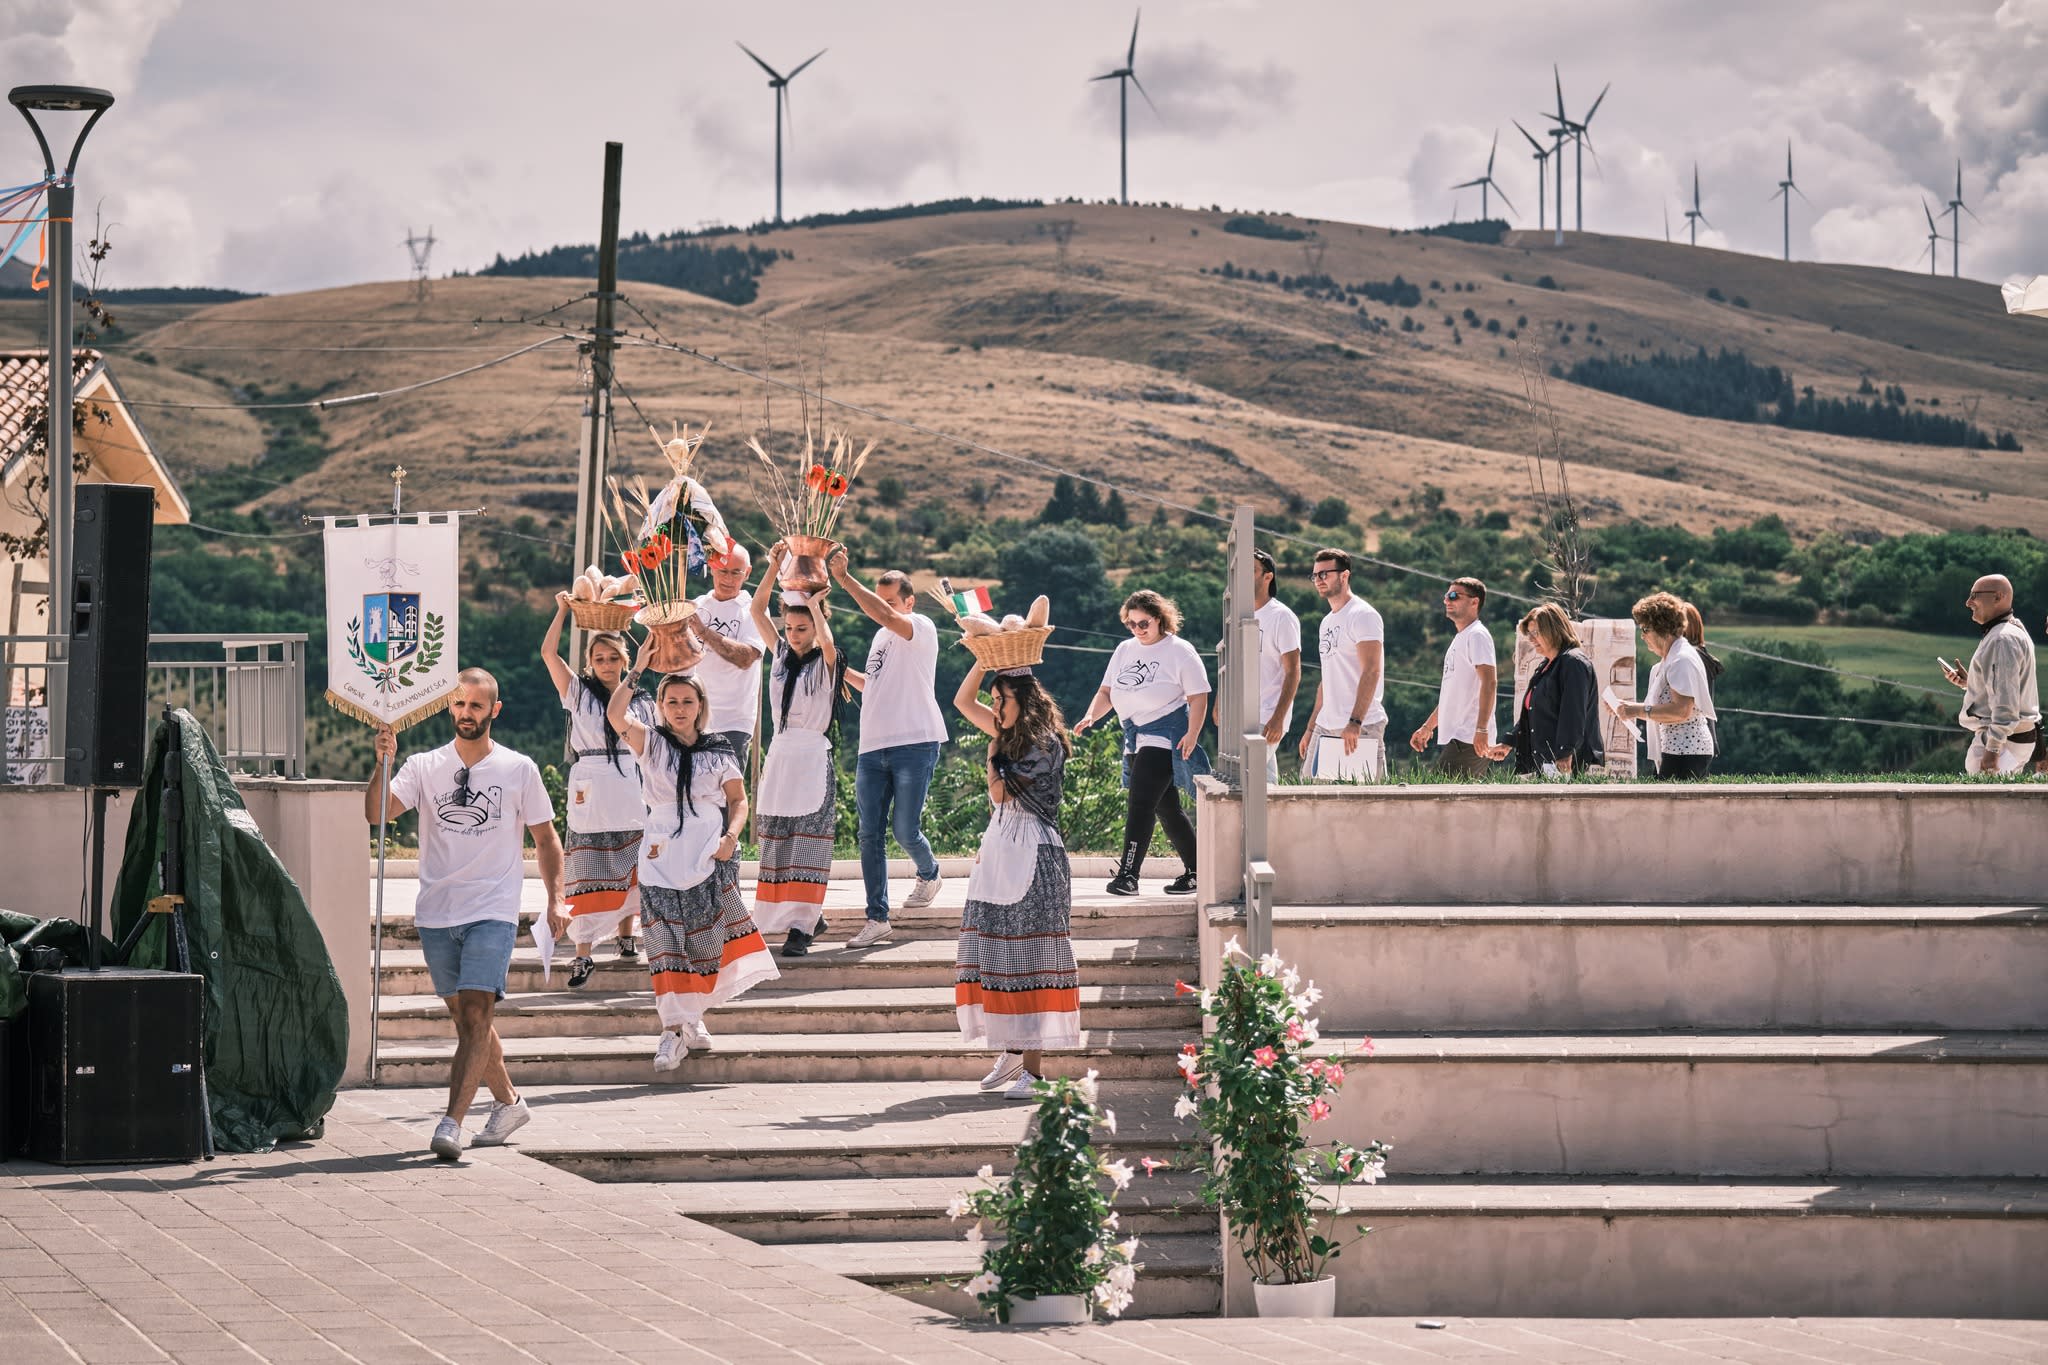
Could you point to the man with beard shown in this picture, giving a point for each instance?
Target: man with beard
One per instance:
(2001, 700)
(477, 801)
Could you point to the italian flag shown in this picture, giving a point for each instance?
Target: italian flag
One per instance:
(973, 600)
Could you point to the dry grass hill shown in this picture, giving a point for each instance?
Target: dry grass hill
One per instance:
(1137, 361)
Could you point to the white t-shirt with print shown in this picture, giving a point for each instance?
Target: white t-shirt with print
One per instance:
(1337, 641)
(1279, 633)
(734, 693)
(1457, 700)
(1146, 682)
(471, 858)
(898, 705)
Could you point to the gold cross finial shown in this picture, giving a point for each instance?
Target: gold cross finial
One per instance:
(398, 474)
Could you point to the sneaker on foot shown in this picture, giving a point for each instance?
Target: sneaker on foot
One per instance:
(923, 893)
(447, 1143)
(1024, 1087)
(697, 1034)
(580, 970)
(1124, 884)
(669, 1054)
(1008, 1067)
(871, 933)
(796, 943)
(1183, 885)
(628, 952)
(504, 1121)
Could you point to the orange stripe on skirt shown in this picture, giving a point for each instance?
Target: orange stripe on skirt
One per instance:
(596, 903)
(798, 893)
(1051, 1000)
(694, 983)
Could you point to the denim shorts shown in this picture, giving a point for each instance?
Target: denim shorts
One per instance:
(470, 957)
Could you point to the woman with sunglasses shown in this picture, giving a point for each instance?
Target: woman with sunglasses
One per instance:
(1160, 691)
(702, 948)
(602, 794)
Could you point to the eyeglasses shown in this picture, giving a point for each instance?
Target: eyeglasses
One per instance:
(1983, 592)
(1318, 575)
(1138, 623)
(1453, 595)
(462, 796)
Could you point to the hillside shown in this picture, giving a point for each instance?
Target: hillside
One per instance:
(1141, 362)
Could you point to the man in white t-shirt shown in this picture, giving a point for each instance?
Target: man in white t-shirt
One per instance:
(477, 802)
(901, 730)
(1463, 718)
(1279, 658)
(731, 671)
(1346, 740)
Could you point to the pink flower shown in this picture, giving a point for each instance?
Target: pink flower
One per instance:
(1318, 1111)
(1366, 1047)
(1315, 1067)
(1334, 1075)
(1183, 988)
(1344, 1163)
(1151, 1165)
(1294, 1031)
(1265, 1056)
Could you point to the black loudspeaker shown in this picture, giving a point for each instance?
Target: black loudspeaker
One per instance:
(115, 1060)
(106, 708)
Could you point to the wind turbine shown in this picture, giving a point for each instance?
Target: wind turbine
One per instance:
(1487, 182)
(1693, 216)
(1542, 163)
(1933, 240)
(1127, 72)
(1786, 189)
(1956, 209)
(1667, 220)
(1576, 129)
(779, 83)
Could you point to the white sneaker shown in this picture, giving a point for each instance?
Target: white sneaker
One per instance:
(1022, 1090)
(504, 1121)
(871, 933)
(923, 893)
(697, 1034)
(671, 1051)
(447, 1143)
(1008, 1066)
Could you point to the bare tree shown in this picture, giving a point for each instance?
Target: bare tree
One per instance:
(1570, 565)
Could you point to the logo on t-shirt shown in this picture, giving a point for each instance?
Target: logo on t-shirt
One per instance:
(877, 656)
(1138, 673)
(1328, 638)
(730, 629)
(482, 807)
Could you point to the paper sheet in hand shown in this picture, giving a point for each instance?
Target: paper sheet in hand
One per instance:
(1613, 703)
(544, 939)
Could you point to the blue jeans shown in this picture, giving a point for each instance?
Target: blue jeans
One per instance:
(898, 776)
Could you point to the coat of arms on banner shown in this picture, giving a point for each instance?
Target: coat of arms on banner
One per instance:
(392, 594)
(394, 639)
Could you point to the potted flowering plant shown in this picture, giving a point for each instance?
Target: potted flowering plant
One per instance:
(1058, 1257)
(666, 533)
(1254, 1091)
(805, 501)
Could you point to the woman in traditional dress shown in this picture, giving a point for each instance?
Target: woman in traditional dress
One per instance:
(603, 795)
(702, 949)
(1016, 987)
(795, 809)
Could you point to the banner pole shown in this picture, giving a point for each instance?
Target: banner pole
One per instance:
(383, 827)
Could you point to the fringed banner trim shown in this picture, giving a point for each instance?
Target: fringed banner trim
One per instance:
(409, 719)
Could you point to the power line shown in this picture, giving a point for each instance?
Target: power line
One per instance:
(324, 404)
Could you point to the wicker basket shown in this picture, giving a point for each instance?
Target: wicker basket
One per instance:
(1009, 648)
(613, 615)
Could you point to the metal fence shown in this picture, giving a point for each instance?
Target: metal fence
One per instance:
(249, 691)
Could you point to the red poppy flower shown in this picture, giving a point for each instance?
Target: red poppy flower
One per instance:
(816, 478)
(631, 560)
(837, 485)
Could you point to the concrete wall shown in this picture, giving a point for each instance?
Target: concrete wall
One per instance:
(315, 828)
(1652, 844)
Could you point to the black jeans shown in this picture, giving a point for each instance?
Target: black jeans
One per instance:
(1154, 799)
(1683, 767)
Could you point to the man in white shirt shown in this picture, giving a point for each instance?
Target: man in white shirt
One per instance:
(901, 730)
(1465, 700)
(1346, 741)
(731, 671)
(1279, 658)
(477, 802)
(2001, 696)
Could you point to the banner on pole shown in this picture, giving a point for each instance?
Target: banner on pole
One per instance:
(392, 596)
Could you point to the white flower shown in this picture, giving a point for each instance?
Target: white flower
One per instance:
(1123, 1277)
(987, 1173)
(1206, 999)
(1113, 1300)
(1270, 965)
(1093, 1256)
(1109, 1119)
(1305, 999)
(974, 1234)
(1109, 1223)
(987, 1282)
(958, 1208)
(1371, 1170)
(1290, 979)
(1187, 1062)
(1311, 1030)
(1128, 1249)
(1086, 1085)
(1185, 1107)
(1120, 1172)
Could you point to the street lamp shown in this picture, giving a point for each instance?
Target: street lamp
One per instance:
(31, 99)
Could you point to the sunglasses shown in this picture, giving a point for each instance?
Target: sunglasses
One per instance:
(1319, 575)
(1141, 623)
(462, 795)
(1453, 595)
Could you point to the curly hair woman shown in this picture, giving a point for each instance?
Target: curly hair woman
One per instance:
(1679, 714)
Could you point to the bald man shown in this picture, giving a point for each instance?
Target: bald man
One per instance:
(731, 671)
(2001, 700)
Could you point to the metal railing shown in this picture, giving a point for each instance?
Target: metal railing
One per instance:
(248, 690)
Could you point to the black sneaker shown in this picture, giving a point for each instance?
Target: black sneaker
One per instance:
(1183, 885)
(628, 952)
(1125, 884)
(796, 943)
(579, 972)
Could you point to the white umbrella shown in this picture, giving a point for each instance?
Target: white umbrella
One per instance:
(2027, 296)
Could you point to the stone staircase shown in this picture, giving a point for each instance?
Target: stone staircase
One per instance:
(1666, 1110)
(837, 1114)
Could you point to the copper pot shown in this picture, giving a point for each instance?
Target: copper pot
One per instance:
(804, 570)
(674, 650)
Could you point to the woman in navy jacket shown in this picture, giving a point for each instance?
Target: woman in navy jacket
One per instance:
(1559, 723)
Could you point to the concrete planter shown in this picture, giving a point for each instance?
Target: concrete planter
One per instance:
(1049, 1310)
(1316, 1299)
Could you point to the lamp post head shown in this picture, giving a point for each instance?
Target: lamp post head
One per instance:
(31, 99)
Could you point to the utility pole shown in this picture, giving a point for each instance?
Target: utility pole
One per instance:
(597, 404)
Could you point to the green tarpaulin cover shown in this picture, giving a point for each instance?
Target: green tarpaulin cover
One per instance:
(19, 933)
(276, 1018)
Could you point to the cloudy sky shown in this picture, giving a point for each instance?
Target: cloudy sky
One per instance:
(279, 145)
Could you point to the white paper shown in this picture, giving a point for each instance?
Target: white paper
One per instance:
(1613, 703)
(544, 939)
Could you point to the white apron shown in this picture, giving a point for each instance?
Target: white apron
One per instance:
(1008, 859)
(680, 861)
(795, 776)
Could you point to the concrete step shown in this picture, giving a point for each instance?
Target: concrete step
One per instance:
(909, 1208)
(1517, 1247)
(761, 1057)
(1182, 1275)
(886, 965)
(1583, 968)
(772, 1009)
(1846, 1105)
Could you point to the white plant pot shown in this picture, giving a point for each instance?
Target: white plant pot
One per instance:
(1049, 1308)
(1316, 1299)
